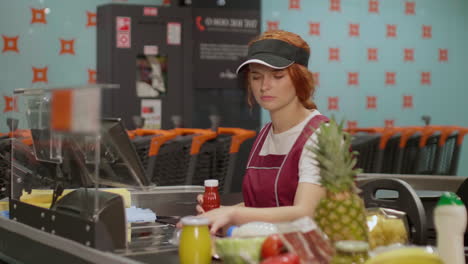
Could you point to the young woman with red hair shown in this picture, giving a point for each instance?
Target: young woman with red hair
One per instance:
(282, 180)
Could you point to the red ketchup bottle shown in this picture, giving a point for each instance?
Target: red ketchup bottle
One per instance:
(211, 198)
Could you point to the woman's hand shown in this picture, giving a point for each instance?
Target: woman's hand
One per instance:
(220, 217)
(200, 204)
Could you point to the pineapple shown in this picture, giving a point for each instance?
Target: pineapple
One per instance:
(341, 214)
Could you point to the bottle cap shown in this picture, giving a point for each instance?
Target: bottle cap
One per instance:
(449, 198)
(230, 231)
(194, 221)
(351, 246)
(211, 183)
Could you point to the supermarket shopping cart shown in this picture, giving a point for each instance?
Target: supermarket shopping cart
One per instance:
(170, 156)
(189, 156)
(425, 150)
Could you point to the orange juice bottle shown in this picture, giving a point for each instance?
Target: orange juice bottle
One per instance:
(195, 241)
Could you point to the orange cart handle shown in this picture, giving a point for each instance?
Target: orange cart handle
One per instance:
(131, 134)
(24, 135)
(445, 132)
(161, 137)
(406, 134)
(425, 136)
(386, 135)
(199, 140)
(240, 135)
(364, 129)
(461, 134)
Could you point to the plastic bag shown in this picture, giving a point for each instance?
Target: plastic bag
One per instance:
(304, 238)
(386, 227)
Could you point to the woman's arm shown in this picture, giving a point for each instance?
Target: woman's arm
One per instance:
(305, 201)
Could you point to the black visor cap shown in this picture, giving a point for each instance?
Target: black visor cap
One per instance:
(276, 54)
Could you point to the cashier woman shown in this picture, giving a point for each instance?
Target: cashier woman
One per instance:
(282, 180)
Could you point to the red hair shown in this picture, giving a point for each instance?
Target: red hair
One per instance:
(301, 77)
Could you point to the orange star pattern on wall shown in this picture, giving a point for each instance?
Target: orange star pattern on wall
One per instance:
(372, 54)
(39, 75)
(354, 30)
(427, 32)
(10, 104)
(409, 54)
(371, 102)
(38, 16)
(272, 25)
(353, 78)
(391, 31)
(425, 78)
(91, 19)
(443, 54)
(389, 123)
(352, 124)
(390, 78)
(67, 46)
(314, 28)
(407, 101)
(373, 6)
(333, 103)
(91, 76)
(335, 5)
(333, 54)
(409, 8)
(10, 44)
(294, 4)
(316, 76)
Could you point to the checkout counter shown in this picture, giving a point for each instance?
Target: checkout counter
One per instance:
(168, 202)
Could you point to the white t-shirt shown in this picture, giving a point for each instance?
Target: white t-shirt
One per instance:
(281, 144)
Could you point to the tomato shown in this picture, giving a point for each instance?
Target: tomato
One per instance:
(272, 246)
(285, 258)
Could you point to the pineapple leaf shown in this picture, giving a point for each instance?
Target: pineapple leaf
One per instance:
(334, 158)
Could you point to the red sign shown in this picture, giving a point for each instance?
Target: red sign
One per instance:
(150, 11)
(123, 32)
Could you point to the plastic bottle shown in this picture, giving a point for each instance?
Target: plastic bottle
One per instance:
(211, 198)
(450, 224)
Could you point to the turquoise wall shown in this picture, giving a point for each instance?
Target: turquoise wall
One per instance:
(444, 99)
(38, 45)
